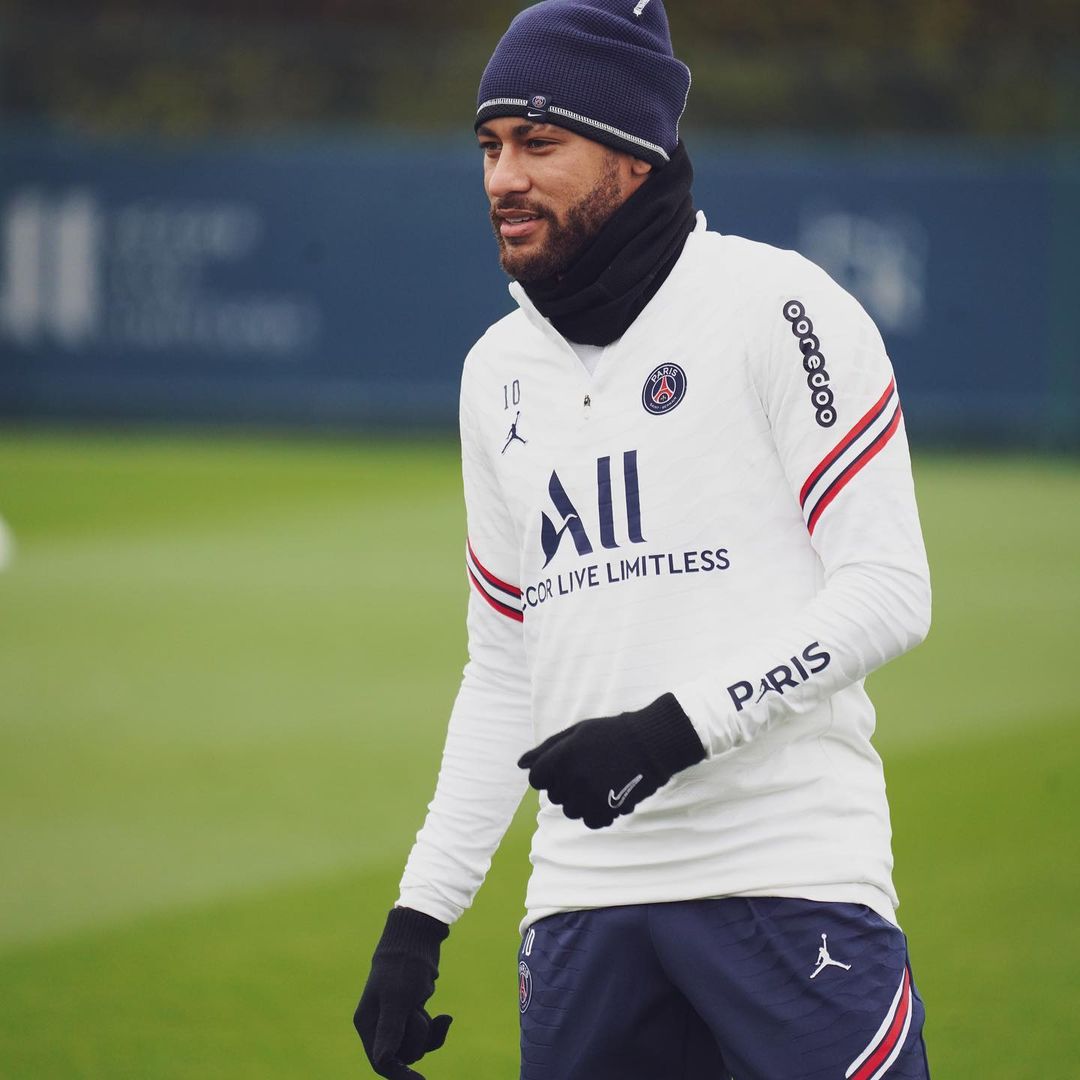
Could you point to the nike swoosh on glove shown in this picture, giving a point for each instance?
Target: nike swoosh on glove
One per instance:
(600, 769)
(391, 1020)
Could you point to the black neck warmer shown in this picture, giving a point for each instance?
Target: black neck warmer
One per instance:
(623, 266)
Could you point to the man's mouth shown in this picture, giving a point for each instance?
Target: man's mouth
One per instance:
(517, 224)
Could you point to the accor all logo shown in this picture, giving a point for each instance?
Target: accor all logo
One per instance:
(551, 534)
(791, 674)
(616, 525)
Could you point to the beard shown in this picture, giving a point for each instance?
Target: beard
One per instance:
(567, 236)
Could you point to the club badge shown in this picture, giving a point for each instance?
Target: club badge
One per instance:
(524, 986)
(664, 389)
(538, 107)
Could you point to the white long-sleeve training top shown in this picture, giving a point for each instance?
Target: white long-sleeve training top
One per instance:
(723, 509)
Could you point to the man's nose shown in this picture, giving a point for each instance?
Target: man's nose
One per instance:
(508, 174)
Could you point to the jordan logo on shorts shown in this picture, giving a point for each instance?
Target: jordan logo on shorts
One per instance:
(824, 960)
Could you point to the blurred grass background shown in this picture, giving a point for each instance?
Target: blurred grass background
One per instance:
(226, 666)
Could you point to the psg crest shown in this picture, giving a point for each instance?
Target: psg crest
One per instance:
(524, 986)
(664, 389)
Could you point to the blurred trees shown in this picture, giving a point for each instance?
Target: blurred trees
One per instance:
(198, 67)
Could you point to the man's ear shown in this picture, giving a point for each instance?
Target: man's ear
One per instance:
(639, 167)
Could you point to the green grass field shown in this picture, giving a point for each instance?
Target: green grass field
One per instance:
(225, 667)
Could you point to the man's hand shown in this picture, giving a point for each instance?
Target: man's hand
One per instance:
(391, 1020)
(599, 769)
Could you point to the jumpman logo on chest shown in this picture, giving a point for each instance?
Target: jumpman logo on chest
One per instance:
(513, 434)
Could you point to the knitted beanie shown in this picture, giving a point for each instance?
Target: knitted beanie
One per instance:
(602, 68)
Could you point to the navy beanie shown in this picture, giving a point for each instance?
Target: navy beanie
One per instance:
(602, 68)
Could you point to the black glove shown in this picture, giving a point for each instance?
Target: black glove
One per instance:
(599, 769)
(391, 1020)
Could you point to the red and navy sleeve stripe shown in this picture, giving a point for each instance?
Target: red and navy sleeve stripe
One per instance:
(850, 455)
(503, 597)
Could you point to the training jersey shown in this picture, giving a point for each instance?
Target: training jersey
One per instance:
(722, 509)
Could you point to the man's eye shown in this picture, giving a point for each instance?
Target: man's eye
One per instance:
(538, 144)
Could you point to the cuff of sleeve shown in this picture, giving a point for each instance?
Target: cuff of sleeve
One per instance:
(671, 738)
(719, 729)
(429, 899)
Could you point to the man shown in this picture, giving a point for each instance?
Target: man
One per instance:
(692, 534)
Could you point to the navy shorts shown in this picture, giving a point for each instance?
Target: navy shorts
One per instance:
(750, 989)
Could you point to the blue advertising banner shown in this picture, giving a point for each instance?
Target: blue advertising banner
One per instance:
(341, 283)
